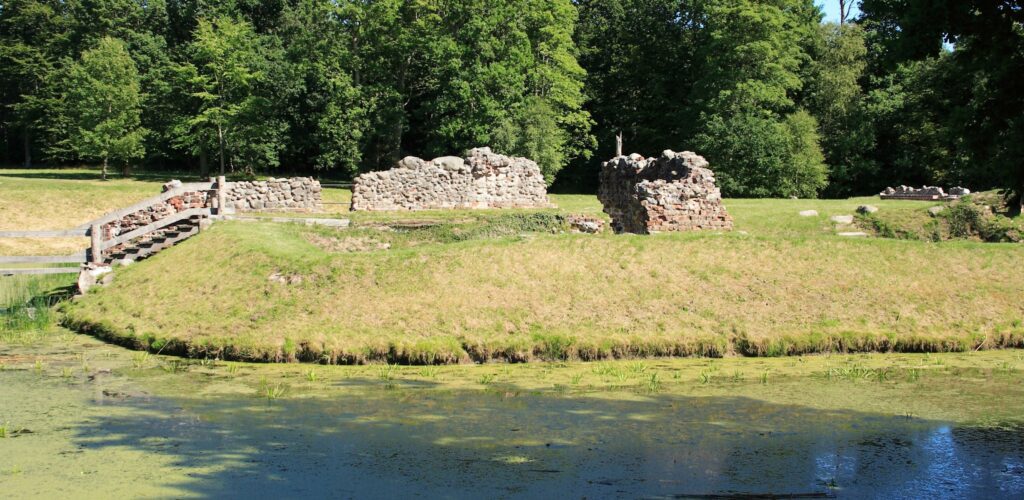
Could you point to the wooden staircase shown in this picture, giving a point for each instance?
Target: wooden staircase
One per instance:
(153, 242)
(109, 245)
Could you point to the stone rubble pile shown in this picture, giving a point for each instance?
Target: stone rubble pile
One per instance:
(584, 224)
(927, 193)
(482, 179)
(296, 194)
(675, 192)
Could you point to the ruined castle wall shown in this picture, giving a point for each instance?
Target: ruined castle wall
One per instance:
(480, 180)
(296, 194)
(675, 192)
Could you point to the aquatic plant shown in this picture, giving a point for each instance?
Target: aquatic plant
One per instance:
(654, 382)
(311, 375)
(854, 372)
(881, 374)
(38, 367)
(430, 371)
(3, 429)
(270, 392)
(638, 367)
(140, 360)
(737, 376)
(704, 377)
(387, 372)
(487, 378)
(65, 372)
(175, 366)
(621, 375)
(913, 375)
(576, 379)
(764, 378)
(232, 368)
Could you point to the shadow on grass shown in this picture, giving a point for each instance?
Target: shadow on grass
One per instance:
(506, 442)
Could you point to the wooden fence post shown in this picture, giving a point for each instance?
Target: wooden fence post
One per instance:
(96, 234)
(222, 195)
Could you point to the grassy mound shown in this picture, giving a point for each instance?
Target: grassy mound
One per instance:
(979, 217)
(501, 286)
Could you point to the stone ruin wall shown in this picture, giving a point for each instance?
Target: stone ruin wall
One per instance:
(296, 194)
(480, 180)
(675, 192)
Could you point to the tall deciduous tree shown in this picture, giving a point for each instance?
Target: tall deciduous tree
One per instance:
(327, 114)
(751, 128)
(34, 37)
(228, 75)
(103, 104)
(833, 94)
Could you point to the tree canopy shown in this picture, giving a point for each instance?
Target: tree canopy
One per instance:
(781, 102)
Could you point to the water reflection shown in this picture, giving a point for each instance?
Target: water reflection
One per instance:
(469, 444)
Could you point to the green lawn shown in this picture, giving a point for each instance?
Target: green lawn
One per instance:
(454, 286)
(474, 288)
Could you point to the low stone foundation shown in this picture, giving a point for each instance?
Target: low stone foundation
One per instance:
(675, 192)
(925, 193)
(480, 180)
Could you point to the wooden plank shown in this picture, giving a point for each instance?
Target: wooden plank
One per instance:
(96, 244)
(160, 224)
(178, 191)
(63, 233)
(43, 259)
(40, 270)
(222, 195)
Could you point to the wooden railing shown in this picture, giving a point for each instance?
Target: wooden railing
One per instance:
(94, 230)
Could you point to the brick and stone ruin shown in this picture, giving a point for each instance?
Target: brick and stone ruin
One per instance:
(675, 192)
(925, 193)
(480, 180)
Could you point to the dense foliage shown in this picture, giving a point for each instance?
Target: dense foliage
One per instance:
(782, 104)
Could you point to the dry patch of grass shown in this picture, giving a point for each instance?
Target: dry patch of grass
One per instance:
(60, 199)
(346, 244)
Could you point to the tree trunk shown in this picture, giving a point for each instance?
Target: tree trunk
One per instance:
(204, 163)
(27, 144)
(103, 175)
(220, 145)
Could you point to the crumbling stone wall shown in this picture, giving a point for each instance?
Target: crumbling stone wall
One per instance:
(675, 192)
(296, 194)
(480, 180)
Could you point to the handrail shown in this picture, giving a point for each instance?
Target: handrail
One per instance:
(94, 230)
(40, 270)
(142, 205)
(60, 233)
(160, 224)
(47, 259)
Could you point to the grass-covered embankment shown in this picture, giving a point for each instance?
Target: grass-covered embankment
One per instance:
(460, 292)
